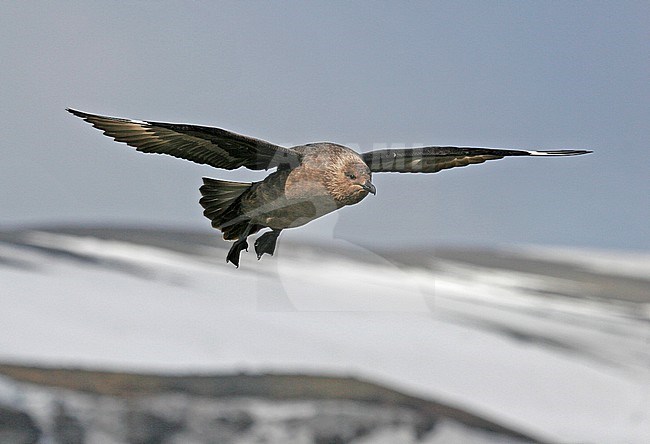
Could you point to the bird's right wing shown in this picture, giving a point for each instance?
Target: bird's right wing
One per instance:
(432, 159)
(201, 144)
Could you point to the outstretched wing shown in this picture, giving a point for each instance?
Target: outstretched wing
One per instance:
(432, 159)
(201, 144)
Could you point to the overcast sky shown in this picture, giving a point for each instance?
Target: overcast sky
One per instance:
(530, 75)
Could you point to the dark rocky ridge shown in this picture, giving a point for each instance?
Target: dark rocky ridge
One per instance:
(345, 408)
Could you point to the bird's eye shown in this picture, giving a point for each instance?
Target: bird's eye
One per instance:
(351, 176)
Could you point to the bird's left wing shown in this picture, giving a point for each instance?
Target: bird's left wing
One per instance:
(201, 144)
(432, 159)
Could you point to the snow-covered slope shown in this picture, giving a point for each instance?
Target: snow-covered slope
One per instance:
(552, 355)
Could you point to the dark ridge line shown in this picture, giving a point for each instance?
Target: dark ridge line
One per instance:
(272, 386)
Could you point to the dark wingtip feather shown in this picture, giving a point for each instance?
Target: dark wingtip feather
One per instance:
(560, 153)
(76, 113)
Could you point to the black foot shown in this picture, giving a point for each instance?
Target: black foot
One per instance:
(266, 243)
(235, 251)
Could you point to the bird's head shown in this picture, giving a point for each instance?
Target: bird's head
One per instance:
(350, 180)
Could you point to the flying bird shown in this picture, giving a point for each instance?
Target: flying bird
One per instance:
(309, 180)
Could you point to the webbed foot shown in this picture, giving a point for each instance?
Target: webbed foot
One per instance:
(235, 251)
(266, 243)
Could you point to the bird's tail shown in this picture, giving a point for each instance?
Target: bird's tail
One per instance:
(220, 202)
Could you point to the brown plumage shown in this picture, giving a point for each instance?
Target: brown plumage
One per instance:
(310, 180)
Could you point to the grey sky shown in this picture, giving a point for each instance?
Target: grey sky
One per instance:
(528, 75)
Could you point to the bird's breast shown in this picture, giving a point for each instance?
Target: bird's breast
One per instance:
(288, 199)
(305, 183)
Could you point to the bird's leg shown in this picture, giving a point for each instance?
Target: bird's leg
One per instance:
(266, 243)
(236, 249)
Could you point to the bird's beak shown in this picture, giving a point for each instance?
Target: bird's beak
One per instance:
(369, 187)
